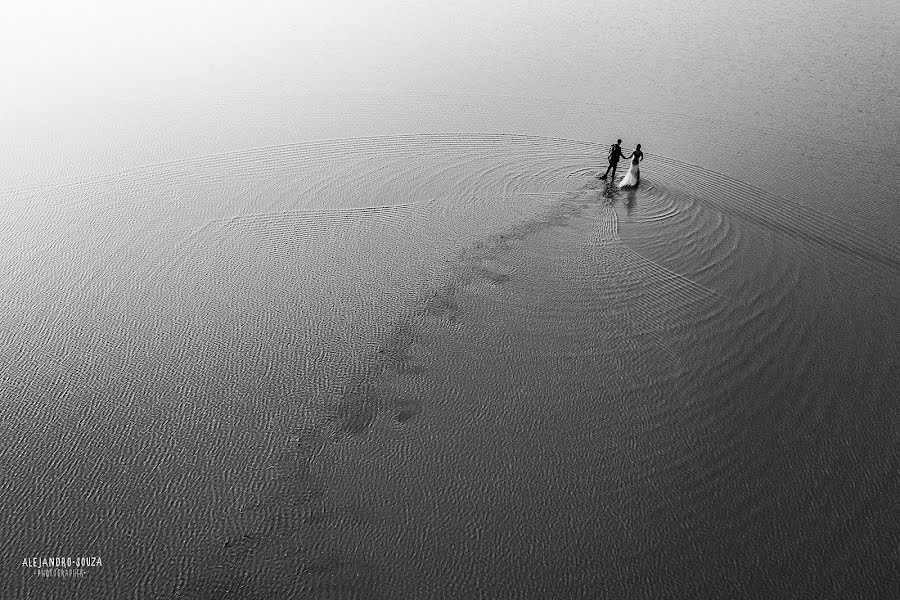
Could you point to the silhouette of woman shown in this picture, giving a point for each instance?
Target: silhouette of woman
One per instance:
(633, 176)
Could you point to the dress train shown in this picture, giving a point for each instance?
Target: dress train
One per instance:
(632, 176)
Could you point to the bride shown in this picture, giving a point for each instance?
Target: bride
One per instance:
(633, 176)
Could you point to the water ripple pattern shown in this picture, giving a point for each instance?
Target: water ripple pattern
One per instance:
(459, 361)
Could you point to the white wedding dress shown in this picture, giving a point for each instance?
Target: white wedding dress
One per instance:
(632, 176)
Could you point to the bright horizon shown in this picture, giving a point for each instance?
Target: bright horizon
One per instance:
(151, 81)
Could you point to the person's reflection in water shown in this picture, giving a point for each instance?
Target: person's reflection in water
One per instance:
(608, 195)
(630, 199)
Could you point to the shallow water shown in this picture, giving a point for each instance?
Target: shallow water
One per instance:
(406, 345)
(259, 371)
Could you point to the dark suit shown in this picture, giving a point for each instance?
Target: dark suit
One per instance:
(615, 153)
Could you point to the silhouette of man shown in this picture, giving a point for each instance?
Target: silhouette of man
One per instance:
(615, 153)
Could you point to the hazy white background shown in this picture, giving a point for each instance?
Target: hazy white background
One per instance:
(94, 86)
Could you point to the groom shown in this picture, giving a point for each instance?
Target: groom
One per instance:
(615, 153)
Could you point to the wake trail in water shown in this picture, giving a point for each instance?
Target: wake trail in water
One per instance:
(787, 216)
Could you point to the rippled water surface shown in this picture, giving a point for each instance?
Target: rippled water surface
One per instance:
(380, 365)
(409, 346)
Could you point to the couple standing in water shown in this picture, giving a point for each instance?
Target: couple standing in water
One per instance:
(633, 176)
